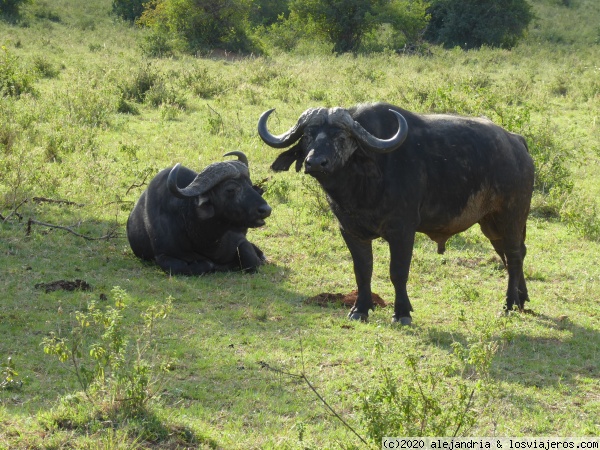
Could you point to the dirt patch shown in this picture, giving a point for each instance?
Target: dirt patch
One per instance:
(64, 285)
(327, 298)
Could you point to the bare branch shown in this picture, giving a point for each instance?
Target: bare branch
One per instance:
(51, 200)
(220, 118)
(110, 235)
(303, 376)
(462, 418)
(14, 211)
(133, 186)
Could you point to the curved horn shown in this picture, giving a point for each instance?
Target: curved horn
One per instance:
(241, 156)
(377, 145)
(286, 139)
(205, 180)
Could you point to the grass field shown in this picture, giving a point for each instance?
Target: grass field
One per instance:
(96, 119)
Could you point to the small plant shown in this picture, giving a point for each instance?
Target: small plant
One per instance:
(139, 83)
(8, 376)
(426, 399)
(44, 67)
(116, 373)
(201, 83)
(162, 94)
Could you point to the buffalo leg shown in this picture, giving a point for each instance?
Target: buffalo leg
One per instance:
(516, 279)
(510, 246)
(248, 257)
(362, 257)
(401, 249)
(175, 266)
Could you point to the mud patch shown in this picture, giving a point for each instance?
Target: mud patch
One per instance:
(64, 285)
(327, 298)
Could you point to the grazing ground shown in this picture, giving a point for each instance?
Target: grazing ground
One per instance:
(96, 119)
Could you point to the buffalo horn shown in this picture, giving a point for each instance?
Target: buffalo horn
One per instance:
(289, 137)
(241, 156)
(207, 179)
(377, 145)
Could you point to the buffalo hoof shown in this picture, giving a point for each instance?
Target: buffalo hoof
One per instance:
(402, 320)
(355, 315)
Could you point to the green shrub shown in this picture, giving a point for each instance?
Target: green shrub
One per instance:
(44, 68)
(346, 23)
(136, 86)
(202, 83)
(14, 78)
(157, 44)
(474, 23)
(11, 7)
(425, 398)
(118, 369)
(163, 94)
(130, 10)
(201, 24)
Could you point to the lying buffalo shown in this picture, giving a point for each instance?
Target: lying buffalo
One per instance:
(191, 223)
(389, 173)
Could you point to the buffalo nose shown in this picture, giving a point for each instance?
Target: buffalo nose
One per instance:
(317, 163)
(264, 211)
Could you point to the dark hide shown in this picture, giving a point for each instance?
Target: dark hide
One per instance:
(200, 234)
(449, 173)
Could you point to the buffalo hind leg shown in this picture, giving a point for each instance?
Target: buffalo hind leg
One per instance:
(362, 257)
(510, 246)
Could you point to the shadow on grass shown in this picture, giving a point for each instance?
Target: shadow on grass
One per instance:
(550, 360)
(145, 428)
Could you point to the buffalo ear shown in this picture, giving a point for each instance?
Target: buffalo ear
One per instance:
(204, 207)
(285, 160)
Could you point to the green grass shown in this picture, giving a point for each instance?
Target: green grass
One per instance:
(67, 141)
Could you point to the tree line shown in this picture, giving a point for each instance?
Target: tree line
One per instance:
(345, 25)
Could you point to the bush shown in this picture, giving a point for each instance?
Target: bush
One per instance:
(114, 374)
(137, 85)
(14, 79)
(130, 10)
(11, 7)
(346, 23)
(201, 24)
(474, 23)
(427, 398)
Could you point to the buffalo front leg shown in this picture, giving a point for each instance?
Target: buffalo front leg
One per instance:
(401, 248)
(175, 266)
(362, 257)
(250, 257)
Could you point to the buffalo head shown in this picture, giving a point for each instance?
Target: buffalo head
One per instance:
(326, 139)
(224, 189)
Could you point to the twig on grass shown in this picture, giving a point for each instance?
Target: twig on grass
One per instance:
(110, 235)
(51, 200)
(302, 376)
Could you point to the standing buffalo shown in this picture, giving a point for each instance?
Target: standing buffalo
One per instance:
(389, 173)
(191, 223)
